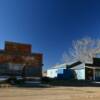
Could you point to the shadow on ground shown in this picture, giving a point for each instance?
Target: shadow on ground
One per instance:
(61, 83)
(75, 83)
(72, 83)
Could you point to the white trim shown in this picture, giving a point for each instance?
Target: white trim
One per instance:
(60, 66)
(93, 67)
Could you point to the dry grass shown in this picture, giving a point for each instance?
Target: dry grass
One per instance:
(53, 93)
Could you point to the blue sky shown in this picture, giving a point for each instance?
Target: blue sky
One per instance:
(49, 25)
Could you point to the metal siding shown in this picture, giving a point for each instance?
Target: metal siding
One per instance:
(60, 71)
(17, 47)
(33, 71)
(97, 75)
(4, 69)
(80, 74)
(66, 74)
(52, 73)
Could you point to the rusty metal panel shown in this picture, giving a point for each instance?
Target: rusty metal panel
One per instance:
(29, 60)
(33, 71)
(38, 58)
(17, 47)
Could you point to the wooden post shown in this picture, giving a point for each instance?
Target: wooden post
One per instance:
(94, 74)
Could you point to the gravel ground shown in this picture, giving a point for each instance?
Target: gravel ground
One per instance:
(52, 93)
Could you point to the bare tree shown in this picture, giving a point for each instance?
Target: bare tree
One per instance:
(66, 58)
(83, 50)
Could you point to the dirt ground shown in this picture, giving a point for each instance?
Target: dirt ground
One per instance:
(52, 93)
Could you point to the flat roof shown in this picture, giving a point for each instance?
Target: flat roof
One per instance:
(17, 43)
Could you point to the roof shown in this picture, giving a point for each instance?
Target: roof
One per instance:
(60, 65)
(75, 64)
(17, 43)
(96, 63)
(92, 65)
(64, 65)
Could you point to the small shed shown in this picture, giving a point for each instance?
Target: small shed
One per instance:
(53, 72)
(61, 71)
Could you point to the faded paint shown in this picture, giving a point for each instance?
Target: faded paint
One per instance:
(52, 73)
(80, 74)
(80, 71)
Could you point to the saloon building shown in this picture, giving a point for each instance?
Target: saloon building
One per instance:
(17, 59)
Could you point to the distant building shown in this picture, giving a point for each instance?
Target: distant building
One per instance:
(88, 71)
(17, 59)
(61, 71)
(53, 72)
(93, 70)
(82, 71)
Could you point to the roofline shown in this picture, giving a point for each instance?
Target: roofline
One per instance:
(12, 42)
(92, 67)
(92, 64)
(75, 64)
(66, 65)
(57, 66)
